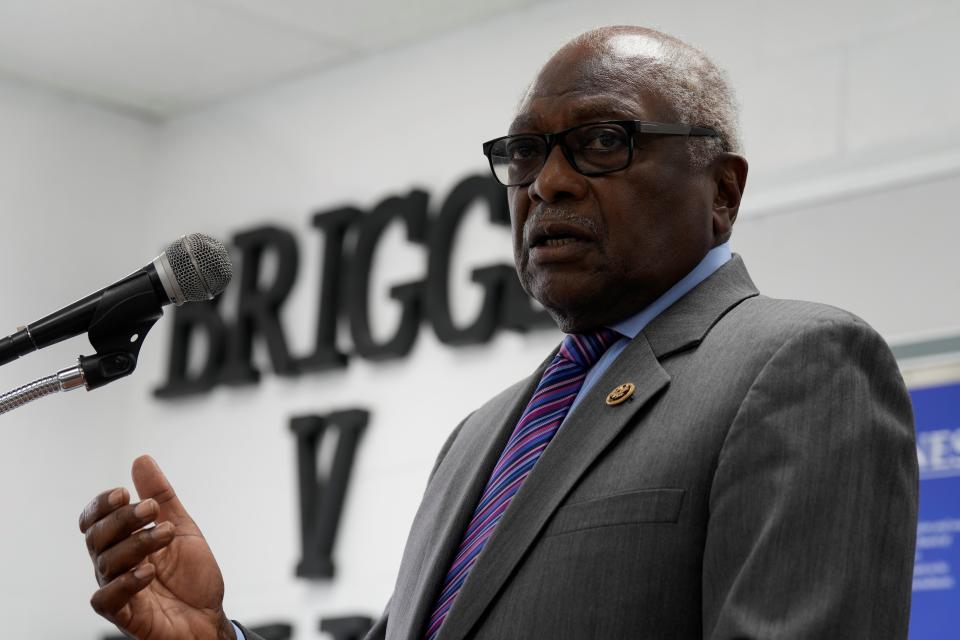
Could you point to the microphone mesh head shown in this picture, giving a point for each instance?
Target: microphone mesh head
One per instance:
(201, 266)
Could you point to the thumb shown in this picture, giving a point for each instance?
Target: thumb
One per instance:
(151, 483)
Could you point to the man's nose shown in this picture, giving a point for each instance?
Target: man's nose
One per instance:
(557, 180)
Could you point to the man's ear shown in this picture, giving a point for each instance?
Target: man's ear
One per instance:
(729, 172)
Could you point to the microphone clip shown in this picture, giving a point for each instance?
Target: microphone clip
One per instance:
(124, 315)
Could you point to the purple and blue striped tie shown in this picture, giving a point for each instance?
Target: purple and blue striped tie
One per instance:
(539, 422)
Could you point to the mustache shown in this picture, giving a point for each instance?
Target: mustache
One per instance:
(564, 214)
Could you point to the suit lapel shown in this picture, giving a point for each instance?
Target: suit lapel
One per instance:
(687, 321)
(586, 433)
(448, 505)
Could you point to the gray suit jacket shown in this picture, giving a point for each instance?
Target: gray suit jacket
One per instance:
(761, 483)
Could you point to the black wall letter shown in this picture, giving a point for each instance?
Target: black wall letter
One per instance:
(505, 303)
(321, 499)
(334, 226)
(186, 320)
(347, 628)
(413, 211)
(258, 310)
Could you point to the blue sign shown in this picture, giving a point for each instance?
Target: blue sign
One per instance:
(936, 574)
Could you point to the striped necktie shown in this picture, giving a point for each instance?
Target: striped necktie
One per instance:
(559, 385)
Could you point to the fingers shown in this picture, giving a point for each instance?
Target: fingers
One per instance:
(109, 600)
(101, 506)
(151, 483)
(119, 524)
(132, 551)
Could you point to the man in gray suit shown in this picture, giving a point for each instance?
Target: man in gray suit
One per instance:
(728, 465)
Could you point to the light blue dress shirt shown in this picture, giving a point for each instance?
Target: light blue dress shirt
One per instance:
(629, 328)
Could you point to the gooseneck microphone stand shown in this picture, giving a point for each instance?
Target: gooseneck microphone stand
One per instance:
(64, 380)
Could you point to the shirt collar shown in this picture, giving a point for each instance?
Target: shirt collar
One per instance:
(715, 258)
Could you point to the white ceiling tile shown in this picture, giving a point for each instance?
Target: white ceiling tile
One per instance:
(167, 56)
(157, 55)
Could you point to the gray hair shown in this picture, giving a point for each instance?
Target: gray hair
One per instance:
(697, 89)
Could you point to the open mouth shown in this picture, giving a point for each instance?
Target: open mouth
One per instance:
(552, 242)
(557, 234)
(556, 242)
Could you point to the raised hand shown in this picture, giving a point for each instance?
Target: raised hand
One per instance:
(161, 583)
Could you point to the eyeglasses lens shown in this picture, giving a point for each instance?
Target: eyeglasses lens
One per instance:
(599, 148)
(595, 148)
(517, 159)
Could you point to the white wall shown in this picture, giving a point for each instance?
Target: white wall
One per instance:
(73, 180)
(852, 129)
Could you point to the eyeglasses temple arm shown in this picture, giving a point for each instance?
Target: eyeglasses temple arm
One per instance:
(675, 129)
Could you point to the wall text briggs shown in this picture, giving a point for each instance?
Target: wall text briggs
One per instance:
(350, 239)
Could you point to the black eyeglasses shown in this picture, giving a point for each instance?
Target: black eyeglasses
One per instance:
(592, 149)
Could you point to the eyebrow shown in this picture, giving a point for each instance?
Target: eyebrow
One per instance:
(608, 109)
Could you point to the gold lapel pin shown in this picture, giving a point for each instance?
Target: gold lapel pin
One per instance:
(621, 394)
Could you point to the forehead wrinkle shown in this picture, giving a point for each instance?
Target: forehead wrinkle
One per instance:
(583, 76)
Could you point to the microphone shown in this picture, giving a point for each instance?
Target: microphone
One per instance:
(194, 268)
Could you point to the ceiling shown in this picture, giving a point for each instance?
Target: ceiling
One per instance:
(158, 58)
